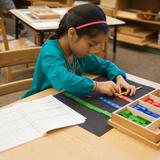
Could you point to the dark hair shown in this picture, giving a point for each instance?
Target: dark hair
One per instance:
(80, 15)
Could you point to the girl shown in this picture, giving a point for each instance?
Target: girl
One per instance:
(67, 55)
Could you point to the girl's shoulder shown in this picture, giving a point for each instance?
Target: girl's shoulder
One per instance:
(51, 43)
(51, 47)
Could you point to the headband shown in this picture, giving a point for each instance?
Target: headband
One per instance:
(90, 24)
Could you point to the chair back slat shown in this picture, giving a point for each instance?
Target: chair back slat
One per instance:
(16, 57)
(15, 86)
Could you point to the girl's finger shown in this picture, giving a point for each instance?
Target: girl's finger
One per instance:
(114, 89)
(128, 91)
(132, 91)
(119, 88)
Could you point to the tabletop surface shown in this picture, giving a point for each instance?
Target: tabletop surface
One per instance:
(51, 24)
(76, 143)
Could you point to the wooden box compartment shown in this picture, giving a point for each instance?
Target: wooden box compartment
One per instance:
(149, 132)
(156, 93)
(155, 127)
(156, 100)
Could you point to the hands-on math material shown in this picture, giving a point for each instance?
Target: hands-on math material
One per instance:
(140, 119)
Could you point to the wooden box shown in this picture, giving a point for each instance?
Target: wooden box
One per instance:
(148, 132)
(109, 3)
(43, 12)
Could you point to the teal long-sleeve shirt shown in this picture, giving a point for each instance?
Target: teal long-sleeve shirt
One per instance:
(52, 71)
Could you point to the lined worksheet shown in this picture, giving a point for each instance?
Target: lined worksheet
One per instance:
(14, 130)
(30, 120)
(49, 113)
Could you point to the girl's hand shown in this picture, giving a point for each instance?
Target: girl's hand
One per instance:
(121, 83)
(107, 87)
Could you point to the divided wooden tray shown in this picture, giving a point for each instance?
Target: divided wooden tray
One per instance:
(140, 125)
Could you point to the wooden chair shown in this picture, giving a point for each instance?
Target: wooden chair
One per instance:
(4, 36)
(53, 3)
(17, 57)
(11, 45)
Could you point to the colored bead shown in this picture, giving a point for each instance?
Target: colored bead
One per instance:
(137, 119)
(125, 113)
(146, 111)
(155, 104)
(110, 103)
(151, 101)
(155, 115)
(125, 98)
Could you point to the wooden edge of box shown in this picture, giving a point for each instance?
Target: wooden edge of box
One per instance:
(133, 134)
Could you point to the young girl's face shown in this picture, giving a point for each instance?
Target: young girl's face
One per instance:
(84, 45)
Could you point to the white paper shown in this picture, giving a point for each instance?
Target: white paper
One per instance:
(14, 130)
(41, 25)
(30, 120)
(49, 113)
(60, 11)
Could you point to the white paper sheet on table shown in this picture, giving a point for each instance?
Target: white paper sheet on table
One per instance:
(52, 25)
(61, 11)
(27, 121)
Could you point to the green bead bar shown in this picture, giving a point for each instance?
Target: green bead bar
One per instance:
(137, 119)
(142, 120)
(87, 105)
(125, 113)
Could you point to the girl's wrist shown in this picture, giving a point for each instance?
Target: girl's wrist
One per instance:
(95, 86)
(119, 77)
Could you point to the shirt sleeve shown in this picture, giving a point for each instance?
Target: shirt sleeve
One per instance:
(54, 67)
(96, 65)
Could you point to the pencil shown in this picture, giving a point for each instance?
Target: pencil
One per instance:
(122, 93)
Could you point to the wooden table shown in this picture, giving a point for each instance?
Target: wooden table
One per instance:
(42, 25)
(76, 143)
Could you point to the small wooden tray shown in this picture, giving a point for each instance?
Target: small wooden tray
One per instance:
(148, 132)
(134, 134)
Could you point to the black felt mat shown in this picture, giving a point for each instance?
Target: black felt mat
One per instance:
(96, 123)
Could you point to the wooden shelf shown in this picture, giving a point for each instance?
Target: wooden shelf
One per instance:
(133, 40)
(138, 31)
(132, 16)
(154, 45)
